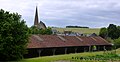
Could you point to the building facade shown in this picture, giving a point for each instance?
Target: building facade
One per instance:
(46, 45)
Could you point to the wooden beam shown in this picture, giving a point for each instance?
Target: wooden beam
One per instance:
(84, 49)
(89, 48)
(75, 50)
(39, 52)
(65, 50)
(98, 48)
(104, 47)
(54, 51)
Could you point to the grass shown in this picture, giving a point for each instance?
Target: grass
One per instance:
(56, 57)
(66, 57)
(79, 30)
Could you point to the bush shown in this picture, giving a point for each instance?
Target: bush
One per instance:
(117, 42)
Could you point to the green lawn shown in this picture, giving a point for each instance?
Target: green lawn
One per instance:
(80, 30)
(65, 57)
(58, 57)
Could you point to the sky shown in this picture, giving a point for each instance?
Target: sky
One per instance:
(61, 13)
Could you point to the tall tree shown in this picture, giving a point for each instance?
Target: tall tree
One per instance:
(103, 32)
(13, 36)
(113, 31)
(118, 31)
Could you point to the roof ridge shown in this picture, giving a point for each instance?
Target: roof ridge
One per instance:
(93, 38)
(78, 38)
(60, 37)
(104, 40)
(38, 37)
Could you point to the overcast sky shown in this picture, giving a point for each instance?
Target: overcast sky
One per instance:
(60, 13)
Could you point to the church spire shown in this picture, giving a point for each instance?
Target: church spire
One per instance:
(36, 18)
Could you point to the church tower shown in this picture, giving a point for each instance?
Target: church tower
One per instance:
(36, 18)
(38, 24)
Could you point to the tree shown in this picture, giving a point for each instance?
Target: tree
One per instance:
(35, 30)
(118, 31)
(113, 31)
(48, 31)
(103, 32)
(13, 36)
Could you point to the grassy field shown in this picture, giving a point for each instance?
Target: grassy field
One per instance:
(80, 30)
(67, 57)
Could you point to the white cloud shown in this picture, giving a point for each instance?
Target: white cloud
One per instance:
(93, 13)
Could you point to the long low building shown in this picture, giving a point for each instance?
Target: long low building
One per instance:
(45, 45)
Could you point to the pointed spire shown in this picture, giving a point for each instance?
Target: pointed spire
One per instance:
(36, 18)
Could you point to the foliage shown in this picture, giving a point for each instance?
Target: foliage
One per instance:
(111, 31)
(106, 56)
(110, 40)
(35, 30)
(13, 36)
(112, 34)
(103, 32)
(117, 42)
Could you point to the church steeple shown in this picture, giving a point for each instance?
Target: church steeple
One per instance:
(38, 24)
(36, 20)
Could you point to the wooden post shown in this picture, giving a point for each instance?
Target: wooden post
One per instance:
(89, 48)
(39, 51)
(65, 50)
(98, 48)
(104, 49)
(54, 51)
(84, 49)
(75, 50)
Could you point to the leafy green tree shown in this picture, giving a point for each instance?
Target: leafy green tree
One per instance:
(13, 36)
(48, 31)
(103, 32)
(113, 31)
(118, 31)
(35, 30)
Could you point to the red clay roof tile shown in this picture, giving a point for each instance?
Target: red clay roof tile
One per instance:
(67, 41)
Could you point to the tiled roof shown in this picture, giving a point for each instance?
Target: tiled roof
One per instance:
(46, 41)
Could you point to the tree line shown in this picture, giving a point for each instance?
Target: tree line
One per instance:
(112, 34)
(76, 27)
